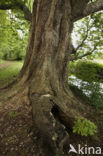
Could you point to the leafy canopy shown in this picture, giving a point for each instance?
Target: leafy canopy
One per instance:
(13, 35)
(88, 36)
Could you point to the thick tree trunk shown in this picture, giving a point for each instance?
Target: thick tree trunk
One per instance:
(45, 73)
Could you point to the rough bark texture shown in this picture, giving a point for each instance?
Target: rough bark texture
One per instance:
(45, 73)
(46, 70)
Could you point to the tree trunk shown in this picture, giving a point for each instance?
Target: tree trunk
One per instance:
(45, 72)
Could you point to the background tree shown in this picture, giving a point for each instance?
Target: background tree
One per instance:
(14, 36)
(90, 35)
(19, 5)
(3, 32)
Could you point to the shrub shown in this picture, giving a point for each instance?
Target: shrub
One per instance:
(4, 57)
(96, 95)
(89, 82)
(87, 71)
(84, 127)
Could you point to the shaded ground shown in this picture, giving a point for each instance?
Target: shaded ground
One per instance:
(16, 136)
(16, 130)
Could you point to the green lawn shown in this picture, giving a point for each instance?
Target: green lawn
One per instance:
(1, 61)
(7, 72)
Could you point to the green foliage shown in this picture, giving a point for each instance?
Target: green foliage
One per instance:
(88, 33)
(96, 96)
(89, 82)
(15, 36)
(87, 71)
(3, 23)
(12, 114)
(84, 127)
(29, 4)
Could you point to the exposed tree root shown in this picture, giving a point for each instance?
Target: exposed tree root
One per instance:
(51, 123)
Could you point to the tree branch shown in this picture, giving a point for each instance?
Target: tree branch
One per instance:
(74, 50)
(93, 7)
(80, 45)
(17, 5)
(84, 55)
(88, 9)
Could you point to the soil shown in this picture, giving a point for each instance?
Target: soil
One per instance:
(16, 136)
(16, 132)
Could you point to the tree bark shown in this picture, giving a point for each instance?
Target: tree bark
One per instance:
(46, 70)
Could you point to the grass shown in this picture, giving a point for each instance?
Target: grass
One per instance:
(10, 71)
(2, 61)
